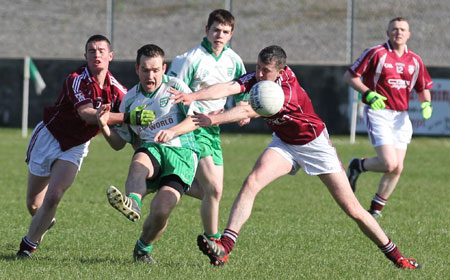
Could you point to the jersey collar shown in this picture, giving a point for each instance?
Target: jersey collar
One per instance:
(389, 47)
(165, 80)
(207, 45)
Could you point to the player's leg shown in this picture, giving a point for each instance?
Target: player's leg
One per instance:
(36, 190)
(156, 222)
(175, 178)
(210, 178)
(389, 160)
(41, 152)
(160, 208)
(390, 178)
(142, 167)
(340, 189)
(62, 175)
(195, 190)
(380, 131)
(270, 166)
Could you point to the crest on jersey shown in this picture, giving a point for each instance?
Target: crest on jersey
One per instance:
(163, 102)
(230, 71)
(411, 69)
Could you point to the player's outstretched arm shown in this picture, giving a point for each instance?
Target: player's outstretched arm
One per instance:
(185, 126)
(246, 121)
(215, 91)
(235, 114)
(113, 138)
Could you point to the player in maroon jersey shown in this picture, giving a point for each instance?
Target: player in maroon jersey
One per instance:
(60, 142)
(386, 74)
(300, 140)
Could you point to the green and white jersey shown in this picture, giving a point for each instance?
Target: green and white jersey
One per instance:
(200, 68)
(167, 113)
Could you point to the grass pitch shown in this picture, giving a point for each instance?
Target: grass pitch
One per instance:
(296, 230)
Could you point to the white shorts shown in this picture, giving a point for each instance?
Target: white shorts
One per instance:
(43, 150)
(388, 127)
(315, 158)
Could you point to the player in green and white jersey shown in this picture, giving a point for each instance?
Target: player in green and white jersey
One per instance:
(210, 63)
(165, 161)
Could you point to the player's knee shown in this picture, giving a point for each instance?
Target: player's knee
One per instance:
(161, 214)
(355, 212)
(53, 198)
(213, 190)
(390, 165)
(32, 206)
(161, 209)
(250, 185)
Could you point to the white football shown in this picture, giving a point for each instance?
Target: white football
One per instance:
(266, 98)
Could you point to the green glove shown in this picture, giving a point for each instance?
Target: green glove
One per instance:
(427, 110)
(139, 116)
(375, 100)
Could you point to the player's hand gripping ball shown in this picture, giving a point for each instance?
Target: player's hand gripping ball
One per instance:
(266, 98)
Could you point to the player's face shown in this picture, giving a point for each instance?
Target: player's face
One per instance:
(98, 56)
(267, 72)
(218, 35)
(398, 32)
(150, 72)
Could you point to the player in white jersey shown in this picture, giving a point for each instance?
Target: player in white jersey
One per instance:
(212, 62)
(387, 74)
(166, 160)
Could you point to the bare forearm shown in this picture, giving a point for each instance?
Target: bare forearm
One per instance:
(187, 125)
(89, 115)
(424, 95)
(116, 118)
(217, 91)
(235, 114)
(355, 82)
(113, 138)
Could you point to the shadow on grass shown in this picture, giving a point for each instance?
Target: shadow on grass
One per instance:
(11, 257)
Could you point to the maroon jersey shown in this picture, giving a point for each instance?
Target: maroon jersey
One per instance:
(80, 88)
(392, 76)
(296, 123)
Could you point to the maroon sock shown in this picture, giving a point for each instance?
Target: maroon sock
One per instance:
(27, 245)
(378, 202)
(361, 165)
(228, 239)
(391, 251)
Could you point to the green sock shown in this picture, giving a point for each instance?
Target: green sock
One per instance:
(136, 198)
(215, 236)
(142, 246)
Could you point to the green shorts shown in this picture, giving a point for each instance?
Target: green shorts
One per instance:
(178, 161)
(208, 142)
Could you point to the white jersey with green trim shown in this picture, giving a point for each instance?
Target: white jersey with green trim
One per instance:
(167, 113)
(200, 68)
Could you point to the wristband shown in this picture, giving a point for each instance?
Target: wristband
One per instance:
(126, 118)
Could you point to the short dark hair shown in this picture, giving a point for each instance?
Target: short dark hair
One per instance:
(397, 19)
(221, 16)
(96, 38)
(273, 53)
(149, 50)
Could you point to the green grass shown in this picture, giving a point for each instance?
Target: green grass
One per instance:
(296, 230)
